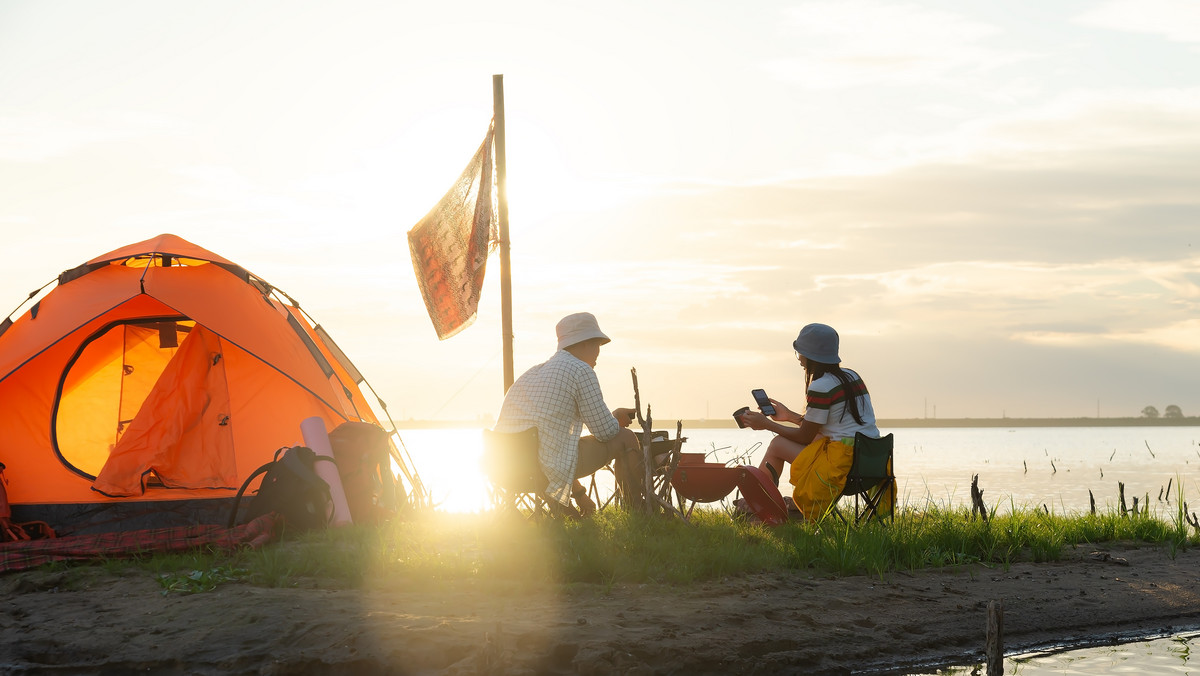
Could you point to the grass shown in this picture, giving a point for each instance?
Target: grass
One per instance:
(613, 547)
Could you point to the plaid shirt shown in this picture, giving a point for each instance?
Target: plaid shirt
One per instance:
(558, 397)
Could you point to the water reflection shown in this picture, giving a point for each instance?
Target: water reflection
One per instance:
(1163, 656)
(448, 462)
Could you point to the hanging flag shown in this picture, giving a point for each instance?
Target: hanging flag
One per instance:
(450, 246)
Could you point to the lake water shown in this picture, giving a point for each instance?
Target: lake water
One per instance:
(1051, 467)
(1164, 656)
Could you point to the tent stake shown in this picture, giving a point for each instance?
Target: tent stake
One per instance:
(995, 638)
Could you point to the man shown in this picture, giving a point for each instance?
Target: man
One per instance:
(559, 397)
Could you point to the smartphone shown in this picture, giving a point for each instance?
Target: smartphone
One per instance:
(764, 404)
(737, 416)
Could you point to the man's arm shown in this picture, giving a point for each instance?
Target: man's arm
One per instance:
(599, 419)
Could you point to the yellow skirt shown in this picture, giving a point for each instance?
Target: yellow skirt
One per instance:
(818, 474)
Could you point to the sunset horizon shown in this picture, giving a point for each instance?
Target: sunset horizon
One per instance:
(995, 209)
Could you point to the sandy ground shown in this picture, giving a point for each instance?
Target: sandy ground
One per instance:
(748, 625)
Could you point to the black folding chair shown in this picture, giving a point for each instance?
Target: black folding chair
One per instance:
(510, 462)
(871, 480)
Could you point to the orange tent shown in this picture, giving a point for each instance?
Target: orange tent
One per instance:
(160, 373)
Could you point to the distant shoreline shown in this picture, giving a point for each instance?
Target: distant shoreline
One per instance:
(1190, 421)
(885, 423)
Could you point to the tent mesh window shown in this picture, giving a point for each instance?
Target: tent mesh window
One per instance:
(105, 384)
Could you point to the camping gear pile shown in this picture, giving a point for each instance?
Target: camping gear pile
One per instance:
(148, 385)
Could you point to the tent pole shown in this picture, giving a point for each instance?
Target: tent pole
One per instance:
(506, 329)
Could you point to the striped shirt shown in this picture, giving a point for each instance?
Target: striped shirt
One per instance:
(827, 407)
(558, 397)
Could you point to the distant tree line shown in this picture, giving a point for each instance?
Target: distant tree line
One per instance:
(1171, 411)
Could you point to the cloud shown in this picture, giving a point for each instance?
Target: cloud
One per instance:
(1050, 135)
(28, 138)
(1046, 242)
(1176, 20)
(1087, 120)
(868, 43)
(1181, 336)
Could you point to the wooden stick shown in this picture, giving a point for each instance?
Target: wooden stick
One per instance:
(674, 460)
(637, 397)
(995, 638)
(647, 462)
(670, 509)
(977, 506)
(642, 422)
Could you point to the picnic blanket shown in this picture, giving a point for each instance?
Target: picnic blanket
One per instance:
(28, 554)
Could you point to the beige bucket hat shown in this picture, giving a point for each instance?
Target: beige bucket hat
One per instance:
(577, 328)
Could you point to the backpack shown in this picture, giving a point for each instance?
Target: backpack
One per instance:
(291, 488)
(364, 464)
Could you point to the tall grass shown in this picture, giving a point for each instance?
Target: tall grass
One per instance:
(613, 546)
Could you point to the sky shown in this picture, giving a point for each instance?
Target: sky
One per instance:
(995, 204)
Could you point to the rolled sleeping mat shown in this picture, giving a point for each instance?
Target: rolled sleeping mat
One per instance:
(317, 438)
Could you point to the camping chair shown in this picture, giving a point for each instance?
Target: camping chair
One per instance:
(510, 461)
(871, 479)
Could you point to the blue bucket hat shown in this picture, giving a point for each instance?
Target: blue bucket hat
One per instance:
(819, 343)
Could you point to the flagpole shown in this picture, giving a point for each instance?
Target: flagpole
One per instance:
(502, 190)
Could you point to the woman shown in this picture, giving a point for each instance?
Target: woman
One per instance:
(820, 447)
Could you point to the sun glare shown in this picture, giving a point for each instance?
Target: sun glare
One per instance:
(448, 462)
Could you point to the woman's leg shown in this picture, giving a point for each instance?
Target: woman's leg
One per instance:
(779, 451)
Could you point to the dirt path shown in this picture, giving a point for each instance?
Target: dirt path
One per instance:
(750, 625)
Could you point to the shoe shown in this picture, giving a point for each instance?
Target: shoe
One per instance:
(585, 504)
(740, 505)
(792, 509)
(562, 511)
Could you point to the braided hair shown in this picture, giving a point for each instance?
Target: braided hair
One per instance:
(816, 369)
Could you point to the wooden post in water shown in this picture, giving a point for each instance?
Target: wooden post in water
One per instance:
(995, 638)
(977, 506)
(506, 329)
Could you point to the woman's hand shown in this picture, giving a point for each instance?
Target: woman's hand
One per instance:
(754, 420)
(783, 413)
